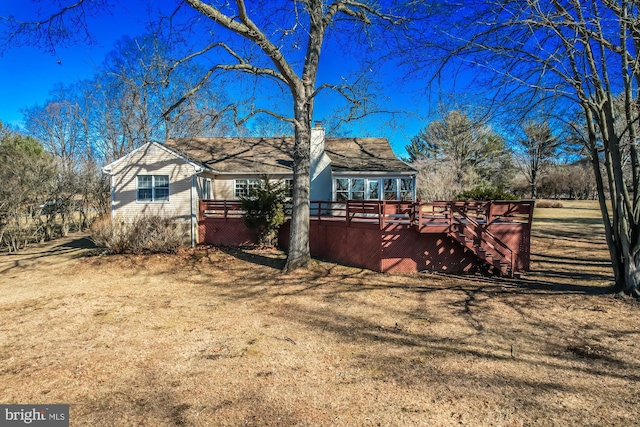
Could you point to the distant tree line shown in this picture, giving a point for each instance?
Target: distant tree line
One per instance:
(458, 155)
(50, 169)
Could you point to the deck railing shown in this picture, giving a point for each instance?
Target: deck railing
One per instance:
(421, 215)
(221, 209)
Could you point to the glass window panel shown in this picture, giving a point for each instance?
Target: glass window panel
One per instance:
(406, 184)
(342, 184)
(161, 194)
(390, 188)
(357, 185)
(390, 184)
(357, 195)
(206, 189)
(145, 181)
(241, 188)
(342, 196)
(406, 196)
(374, 191)
(161, 181)
(145, 194)
(289, 187)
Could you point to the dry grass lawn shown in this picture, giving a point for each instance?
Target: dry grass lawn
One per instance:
(222, 338)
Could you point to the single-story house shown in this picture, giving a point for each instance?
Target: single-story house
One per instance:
(364, 212)
(171, 178)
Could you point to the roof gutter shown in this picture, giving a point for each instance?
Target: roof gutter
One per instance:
(197, 171)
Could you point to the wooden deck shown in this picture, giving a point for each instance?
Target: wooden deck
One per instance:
(497, 233)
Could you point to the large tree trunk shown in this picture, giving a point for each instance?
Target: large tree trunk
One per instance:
(298, 255)
(631, 285)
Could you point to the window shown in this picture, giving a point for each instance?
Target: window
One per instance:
(243, 187)
(357, 189)
(373, 189)
(206, 188)
(406, 189)
(153, 188)
(390, 189)
(288, 185)
(342, 189)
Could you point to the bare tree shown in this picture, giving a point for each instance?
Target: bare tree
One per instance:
(584, 54)
(284, 47)
(133, 88)
(279, 43)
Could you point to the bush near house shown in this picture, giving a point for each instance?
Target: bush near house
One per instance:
(146, 234)
(264, 210)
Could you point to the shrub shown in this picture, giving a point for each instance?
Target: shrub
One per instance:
(486, 193)
(548, 204)
(264, 210)
(145, 234)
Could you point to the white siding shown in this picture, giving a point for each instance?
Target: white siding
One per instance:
(223, 187)
(152, 160)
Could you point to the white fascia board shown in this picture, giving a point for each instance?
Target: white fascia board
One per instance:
(374, 173)
(269, 174)
(108, 168)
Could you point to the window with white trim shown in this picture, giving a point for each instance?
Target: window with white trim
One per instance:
(243, 187)
(342, 189)
(406, 189)
(206, 188)
(390, 186)
(288, 185)
(152, 188)
(373, 189)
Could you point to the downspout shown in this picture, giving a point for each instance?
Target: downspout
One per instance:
(414, 177)
(113, 197)
(198, 171)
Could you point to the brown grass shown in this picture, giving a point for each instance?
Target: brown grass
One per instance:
(222, 338)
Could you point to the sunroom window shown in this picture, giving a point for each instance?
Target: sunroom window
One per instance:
(342, 189)
(390, 189)
(406, 189)
(373, 189)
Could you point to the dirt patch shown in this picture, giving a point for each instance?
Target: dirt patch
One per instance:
(218, 337)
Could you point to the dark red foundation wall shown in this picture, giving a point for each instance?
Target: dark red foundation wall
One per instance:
(225, 232)
(354, 246)
(406, 251)
(395, 249)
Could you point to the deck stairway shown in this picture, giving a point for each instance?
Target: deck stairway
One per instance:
(467, 223)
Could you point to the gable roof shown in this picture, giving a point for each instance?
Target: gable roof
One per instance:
(116, 164)
(273, 155)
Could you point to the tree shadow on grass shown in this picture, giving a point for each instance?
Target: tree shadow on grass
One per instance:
(267, 258)
(72, 247)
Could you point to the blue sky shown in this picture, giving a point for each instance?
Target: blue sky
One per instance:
(27, 74)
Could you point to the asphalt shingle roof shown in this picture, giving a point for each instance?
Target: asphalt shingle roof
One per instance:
(273, 155)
